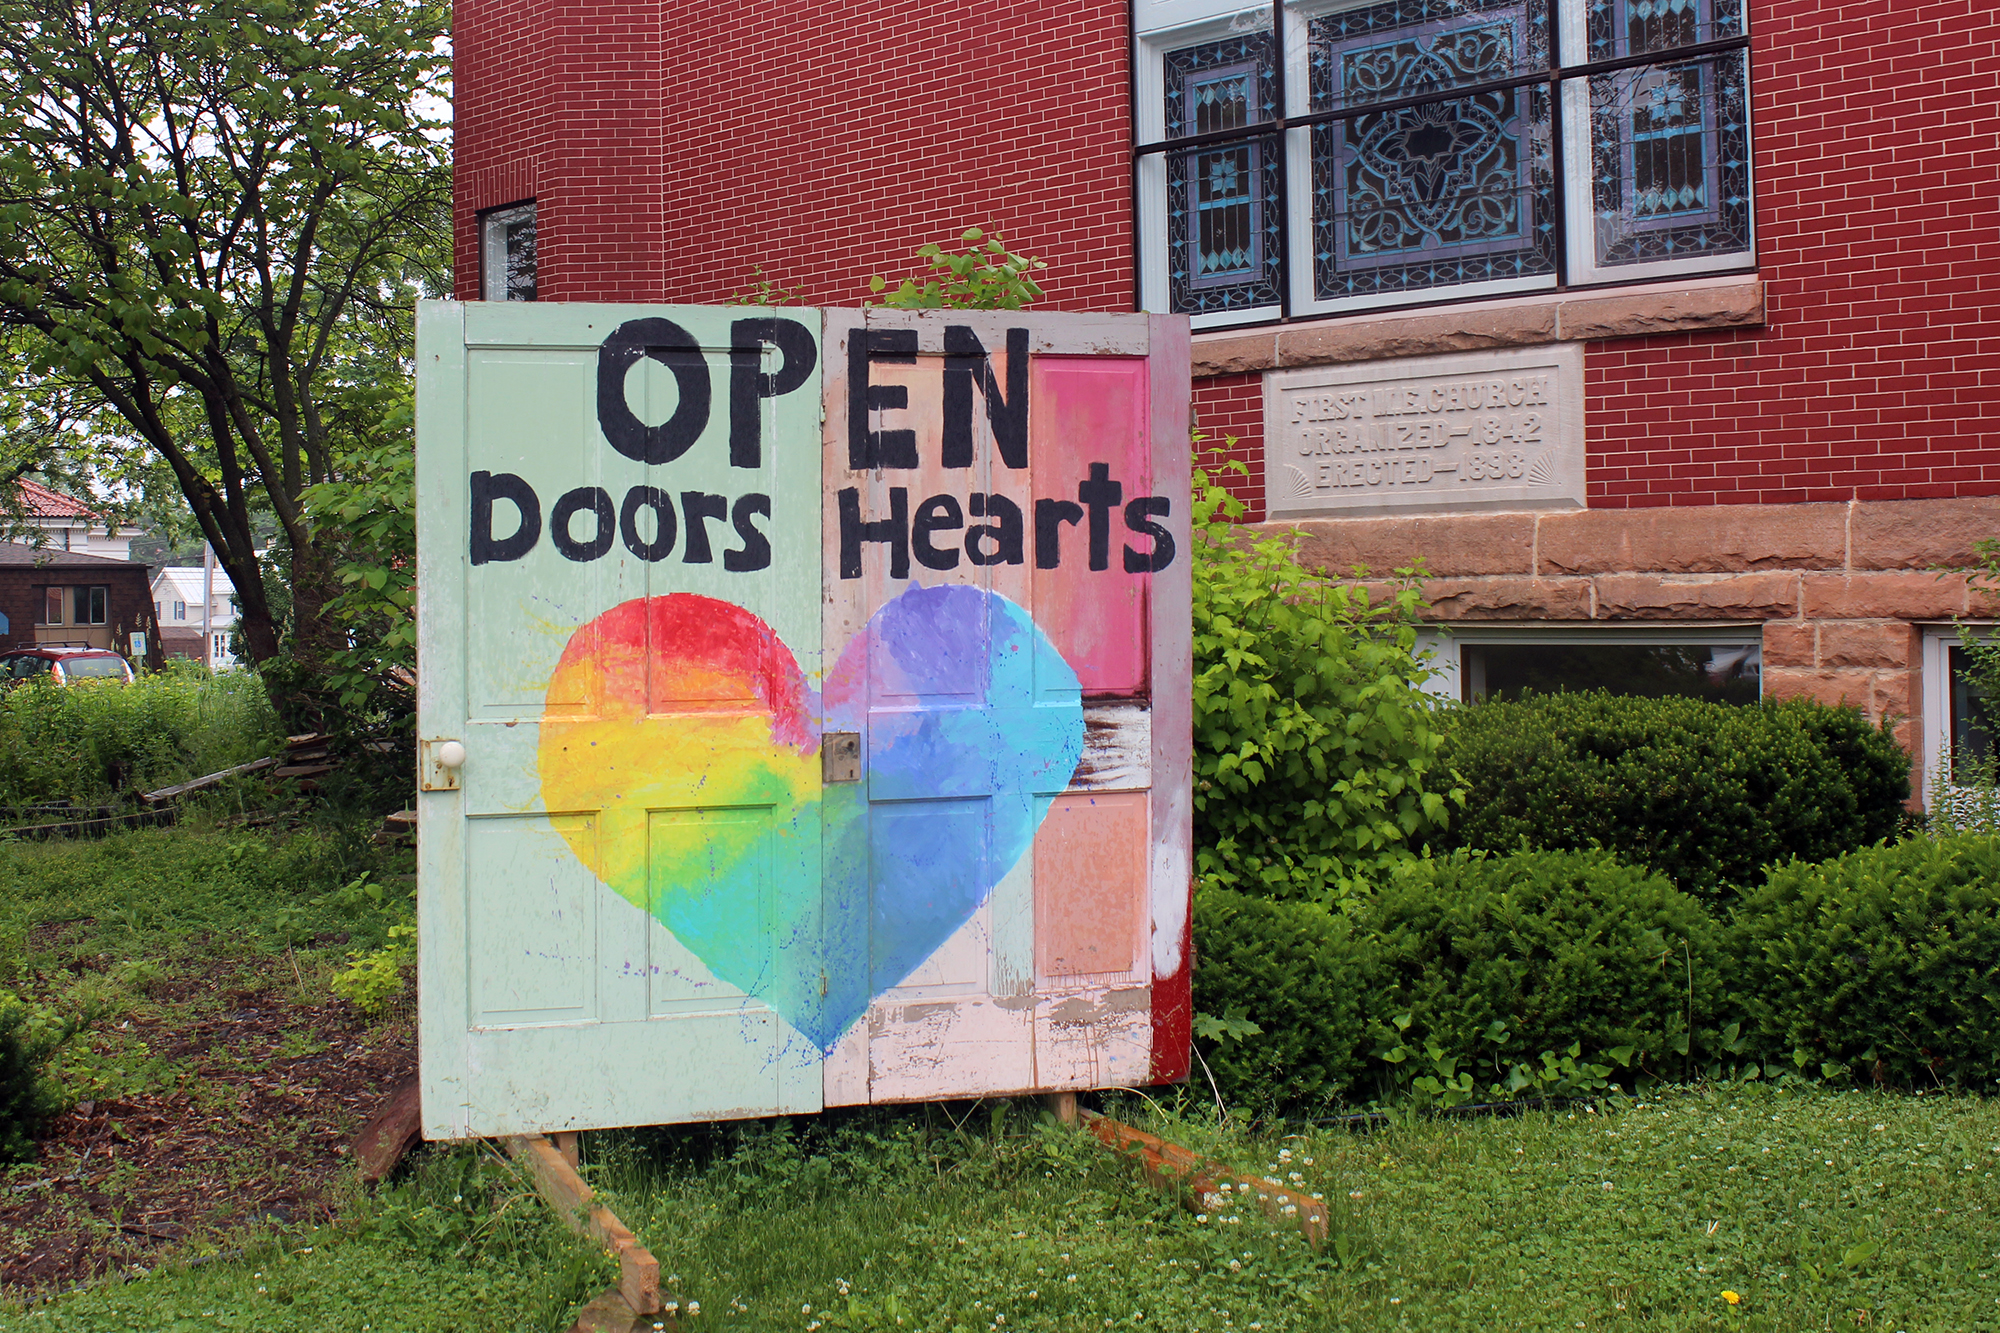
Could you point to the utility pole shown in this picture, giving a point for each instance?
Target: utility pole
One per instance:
(207, 605)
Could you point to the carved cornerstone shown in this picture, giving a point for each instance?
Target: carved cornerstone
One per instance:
(1487, 430)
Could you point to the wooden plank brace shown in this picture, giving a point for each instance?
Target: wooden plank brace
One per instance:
(1200, 1182)
(576, 1204)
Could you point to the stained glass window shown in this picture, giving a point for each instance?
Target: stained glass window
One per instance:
(1355, 153)
(1670, 142)
(1223, 223)
(1439, 193)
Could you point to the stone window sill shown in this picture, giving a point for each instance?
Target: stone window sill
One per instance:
(1692, 306)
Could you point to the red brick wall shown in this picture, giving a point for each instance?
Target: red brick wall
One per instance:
(671, 149)
(1878, 375)
(1233, 405)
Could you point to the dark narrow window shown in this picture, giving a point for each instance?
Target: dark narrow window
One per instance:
(507, 253)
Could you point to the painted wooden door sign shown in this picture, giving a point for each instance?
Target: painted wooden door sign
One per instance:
(804, 703)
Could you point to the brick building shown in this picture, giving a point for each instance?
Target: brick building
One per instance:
(54, 597)
(1664, 331)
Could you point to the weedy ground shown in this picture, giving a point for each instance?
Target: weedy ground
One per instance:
(1813, 1209)
(218, 1080)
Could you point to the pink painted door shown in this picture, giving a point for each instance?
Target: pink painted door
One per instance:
(1005, 620)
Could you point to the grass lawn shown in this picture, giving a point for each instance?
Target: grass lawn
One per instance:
(1817, 1209)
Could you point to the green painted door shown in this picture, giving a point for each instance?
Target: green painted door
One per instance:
(619, 609)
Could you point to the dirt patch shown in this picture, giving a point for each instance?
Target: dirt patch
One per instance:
(257, 1095)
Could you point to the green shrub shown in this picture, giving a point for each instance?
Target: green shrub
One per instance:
(1315, 745)
(1498, 959)
(1885, 960)
(93, 740)
(1292, 971)
(28, 1097)
(1708, 794)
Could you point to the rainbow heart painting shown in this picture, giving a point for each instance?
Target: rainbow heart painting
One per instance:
(699, 746)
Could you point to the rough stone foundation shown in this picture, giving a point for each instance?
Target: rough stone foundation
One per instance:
(1842, 589)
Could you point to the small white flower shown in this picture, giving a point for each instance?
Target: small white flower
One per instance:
(805, 1309)
(1235, 1265)
(694, 1307)
(1201, 1217)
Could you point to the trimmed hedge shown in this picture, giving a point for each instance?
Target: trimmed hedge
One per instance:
(1296, 971)
(1708, 794)
(1560, 947)
(1885, 960)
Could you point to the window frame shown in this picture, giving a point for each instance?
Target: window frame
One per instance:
(1933, 745)
(493, 268)
(1162, 26)
(1445, 641)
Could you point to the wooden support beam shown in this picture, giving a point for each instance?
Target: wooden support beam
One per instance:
(610, 1313)
(575, 1203)
(1200, 1182)
(1062, 1105)
(393, 1131)
(567, 1143)
(182, 788)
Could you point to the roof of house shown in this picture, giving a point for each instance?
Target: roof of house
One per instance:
(15, 555)
(186, 580)
(41, 502)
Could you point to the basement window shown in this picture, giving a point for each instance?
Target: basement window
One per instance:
(1958, 721)
(1724, 665)
(507, 252)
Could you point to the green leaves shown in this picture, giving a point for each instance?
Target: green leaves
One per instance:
(986, 275)
(1706, 793)
(218, 214)
(1884, 963)
(1315, 745)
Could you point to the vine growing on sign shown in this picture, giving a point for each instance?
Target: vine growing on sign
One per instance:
(1315, 746)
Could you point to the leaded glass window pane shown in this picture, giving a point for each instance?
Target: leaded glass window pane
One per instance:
(1446, 192)
(1670, 143)
(1223, 220)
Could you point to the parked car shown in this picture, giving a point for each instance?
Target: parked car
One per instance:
(64, 665)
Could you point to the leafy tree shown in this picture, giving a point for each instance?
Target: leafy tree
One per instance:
(213, 219)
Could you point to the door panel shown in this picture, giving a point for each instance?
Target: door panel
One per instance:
(977, 704)
(624, 653)
(532, 943)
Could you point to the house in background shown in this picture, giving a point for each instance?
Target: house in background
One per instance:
(63, 523)
(56, 597)
(177, 595)
(1664, 331)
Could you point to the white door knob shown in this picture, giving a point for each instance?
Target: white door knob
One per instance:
(451, 754)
